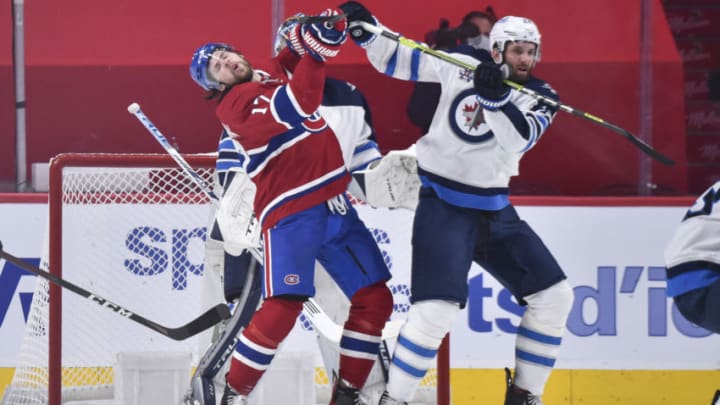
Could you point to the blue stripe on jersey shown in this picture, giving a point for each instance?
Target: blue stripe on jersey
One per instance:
(392, 63)
(534, 358)
(363, 166)
(253, 355)
(365, 146)
(415, 348)
(414, 64)
(691, 280)
(226, 163)
(539, 337)
(277, 142)
(415, 372)
(358, 345)
(462, 195)
(543, 121)
(299, 193)
(284, 107)
(363, 155)
(228, 157)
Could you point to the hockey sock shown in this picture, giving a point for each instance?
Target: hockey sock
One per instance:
(427, 324)
(370, 309)
(539, 336)
(258, 343)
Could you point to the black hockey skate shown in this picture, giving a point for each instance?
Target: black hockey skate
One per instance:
(345, 394)
(518, 396)
(386, 399)
(230, 397)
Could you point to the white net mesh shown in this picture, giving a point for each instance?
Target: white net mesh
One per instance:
(30, 380)
(134, 236)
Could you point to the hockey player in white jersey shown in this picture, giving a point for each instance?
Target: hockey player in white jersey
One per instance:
(692, 260)
(479, 133)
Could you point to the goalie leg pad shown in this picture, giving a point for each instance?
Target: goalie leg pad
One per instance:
(235, 275)
(427, 324)
(216, 357)
(540, 335)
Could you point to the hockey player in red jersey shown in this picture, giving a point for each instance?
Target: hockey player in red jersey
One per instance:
(296, 162)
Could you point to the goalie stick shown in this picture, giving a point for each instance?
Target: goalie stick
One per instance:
(207, 320)
(313, 312)
(202, 384)
(639, 143)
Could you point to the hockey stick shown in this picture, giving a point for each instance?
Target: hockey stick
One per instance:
(639, 143)
(134, 109)
(314, 19)
(197, 325)
(320, 320)
(202, 386)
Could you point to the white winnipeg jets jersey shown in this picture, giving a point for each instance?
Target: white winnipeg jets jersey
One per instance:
(697, 238)
(468, 154)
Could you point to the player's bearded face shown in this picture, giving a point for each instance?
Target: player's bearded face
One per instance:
(229, 68)
(521, 58)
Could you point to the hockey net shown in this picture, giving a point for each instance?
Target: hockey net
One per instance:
(129, 228)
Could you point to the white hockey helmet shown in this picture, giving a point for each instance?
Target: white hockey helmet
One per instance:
(511, 29)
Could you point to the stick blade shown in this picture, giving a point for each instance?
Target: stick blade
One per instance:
(210, 318)
(647, 149)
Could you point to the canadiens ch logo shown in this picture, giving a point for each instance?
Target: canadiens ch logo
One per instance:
(314, 123)
(467, 120)
(292, 279)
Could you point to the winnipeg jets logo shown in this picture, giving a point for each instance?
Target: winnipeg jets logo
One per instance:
(473, 116)
(466, 75)
(466, 118)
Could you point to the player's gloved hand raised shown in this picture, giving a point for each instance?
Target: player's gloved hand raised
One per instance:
(354, 12)
(322, 40)
(289, 36)
(488, 82)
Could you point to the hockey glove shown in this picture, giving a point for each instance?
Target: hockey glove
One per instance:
(393, 182)
(323, 40)
(488, 82)
(235, 217)
(289, 35)
(354, 11)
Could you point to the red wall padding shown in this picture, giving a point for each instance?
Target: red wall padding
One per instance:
(88, 59)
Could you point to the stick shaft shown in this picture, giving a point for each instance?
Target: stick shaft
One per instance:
(639, 143)
(205, 321)
(155, 132)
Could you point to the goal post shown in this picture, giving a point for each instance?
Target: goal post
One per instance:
(131, 228)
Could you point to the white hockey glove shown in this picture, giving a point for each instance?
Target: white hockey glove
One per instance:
(235, 216)
(393, 182)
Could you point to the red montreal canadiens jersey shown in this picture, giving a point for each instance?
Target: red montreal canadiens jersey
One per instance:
(291, 154)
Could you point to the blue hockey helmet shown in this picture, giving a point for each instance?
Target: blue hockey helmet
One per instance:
(199, 65)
